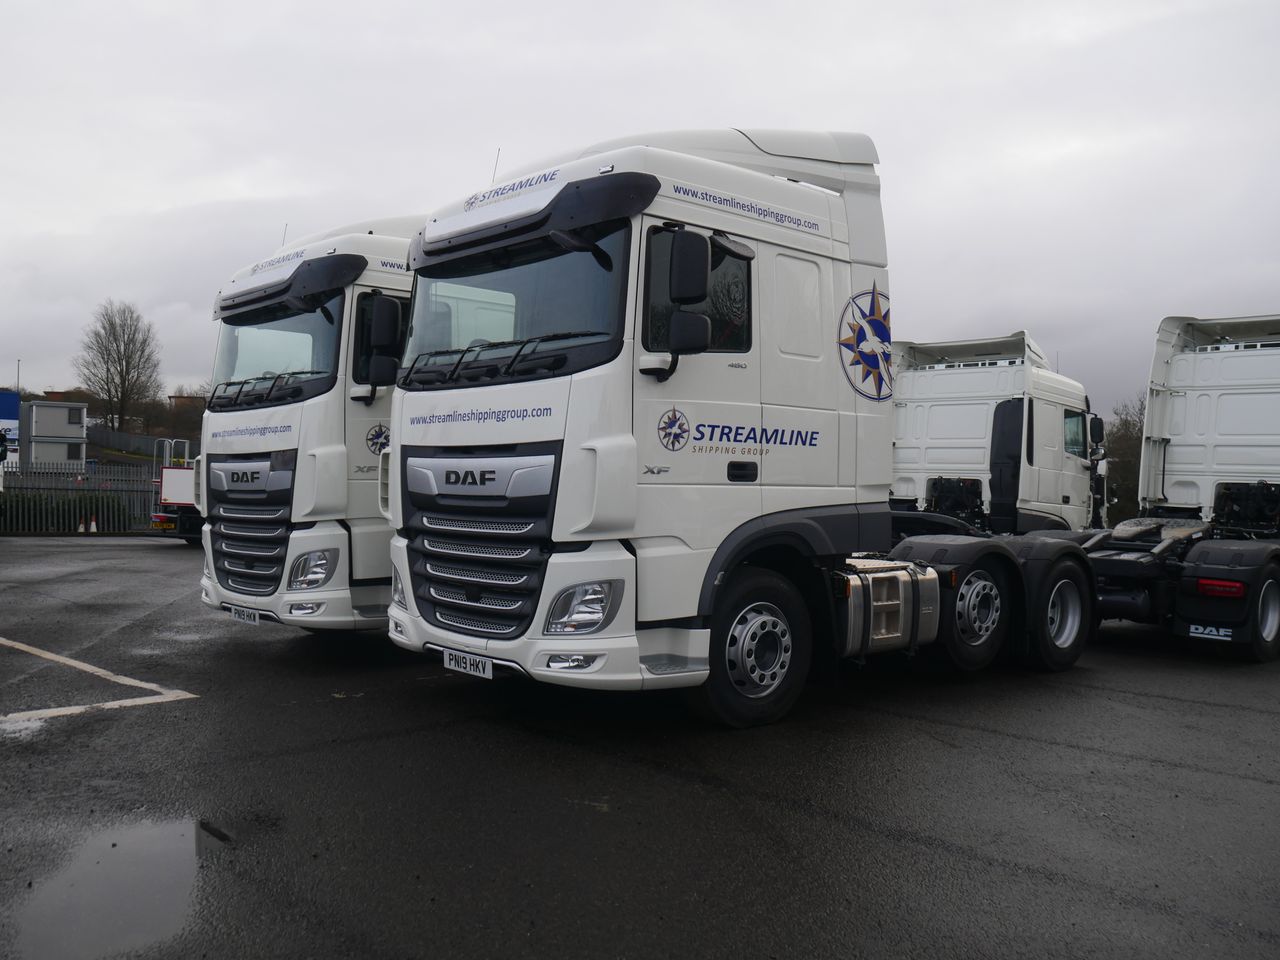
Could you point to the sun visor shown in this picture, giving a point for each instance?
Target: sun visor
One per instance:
(286, 277)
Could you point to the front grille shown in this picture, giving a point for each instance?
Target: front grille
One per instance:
(250, 544)
(485, 584)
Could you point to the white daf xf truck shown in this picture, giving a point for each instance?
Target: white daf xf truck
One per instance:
(660, 455)
(985, 432)
(1203, 559)
(287, 478)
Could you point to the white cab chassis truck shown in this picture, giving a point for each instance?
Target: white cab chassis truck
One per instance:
(987, 434)
(1204, 556)
(287, 479)
(642, 436)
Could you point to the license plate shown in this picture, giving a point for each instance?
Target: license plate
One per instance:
(243, 615)
(469, 663)
(163, 526)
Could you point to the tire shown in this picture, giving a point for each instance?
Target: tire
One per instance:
(761, 647)
(1063, 619)
(1266, 617)
(975, 617)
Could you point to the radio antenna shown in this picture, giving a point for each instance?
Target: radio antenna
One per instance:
(495, 165)
(285, 234)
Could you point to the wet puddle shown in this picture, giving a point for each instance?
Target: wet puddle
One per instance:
(124, 889)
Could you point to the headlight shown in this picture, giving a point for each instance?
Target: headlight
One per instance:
(584, 607)
(313, 569)
(397, 589)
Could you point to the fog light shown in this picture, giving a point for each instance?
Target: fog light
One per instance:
(313, 569)
(305, 609)
(397, 627)
(397, 590)
(584, 608)
(571, 661)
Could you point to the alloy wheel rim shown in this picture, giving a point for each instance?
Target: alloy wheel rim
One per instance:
(758, 651)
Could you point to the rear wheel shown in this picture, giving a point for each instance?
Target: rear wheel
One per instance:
(1063, 618)
(1266, 614)
(975, 617)
(759, 653)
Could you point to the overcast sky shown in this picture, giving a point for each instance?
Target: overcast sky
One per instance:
(1077, 169)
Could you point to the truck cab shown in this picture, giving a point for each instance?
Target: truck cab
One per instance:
(642, 433)
(287, 478)
(986, 433)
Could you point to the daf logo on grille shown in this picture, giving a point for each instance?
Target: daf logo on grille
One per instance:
(469, 478)
(245, 476)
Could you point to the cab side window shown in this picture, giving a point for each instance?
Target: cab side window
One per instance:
(728, 302)
(1073, 434)
(364, 317)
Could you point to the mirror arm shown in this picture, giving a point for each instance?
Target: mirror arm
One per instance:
(662, 374)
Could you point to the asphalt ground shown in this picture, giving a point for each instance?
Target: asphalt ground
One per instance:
(335, 796)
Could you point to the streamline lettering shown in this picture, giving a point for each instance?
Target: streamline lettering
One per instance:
(766, 436)
(277, 261)
(513, 187)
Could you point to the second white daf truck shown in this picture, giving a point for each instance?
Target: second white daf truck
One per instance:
(287, 478)
(1203, 559)
(643, 430)
(987, 433)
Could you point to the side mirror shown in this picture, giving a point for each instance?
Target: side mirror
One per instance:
(384, 326)
(1097, 431)
(690, 267)
(689, 333)
(1098, 454)
(383, 370)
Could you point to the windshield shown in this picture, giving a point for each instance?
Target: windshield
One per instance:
(277, 354)
(544, 307)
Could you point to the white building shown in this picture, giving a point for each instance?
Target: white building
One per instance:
(52, 432)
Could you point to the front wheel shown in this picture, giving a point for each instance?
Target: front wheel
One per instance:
(760, 650)
(1266, 613)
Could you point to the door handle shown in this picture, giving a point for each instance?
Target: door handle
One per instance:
(1066, 499)
(743, 471)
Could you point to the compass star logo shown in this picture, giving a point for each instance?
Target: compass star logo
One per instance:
(866, 344)
(378, 438)
(469, 204)
(673, 429)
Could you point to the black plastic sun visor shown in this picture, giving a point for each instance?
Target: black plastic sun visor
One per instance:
(578, 204)
(312, 277)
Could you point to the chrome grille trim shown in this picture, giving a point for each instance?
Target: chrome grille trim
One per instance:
(475, 624)
(480, 551)
(510, 527)
(451, 595)
(497, 578)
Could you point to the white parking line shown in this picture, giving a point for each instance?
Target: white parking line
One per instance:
(159, 694)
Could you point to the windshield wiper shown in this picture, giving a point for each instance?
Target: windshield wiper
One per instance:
(414, 375)
(536, 342)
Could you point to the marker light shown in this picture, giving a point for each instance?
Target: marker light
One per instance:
(313, 569)
(397, 590)
(584, 607)
(1207, 587)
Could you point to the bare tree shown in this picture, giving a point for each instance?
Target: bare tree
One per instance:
(120, 360)
(1124, 452)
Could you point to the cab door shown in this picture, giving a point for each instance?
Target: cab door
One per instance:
(698, 433)
(1077, 486)
(368, 432)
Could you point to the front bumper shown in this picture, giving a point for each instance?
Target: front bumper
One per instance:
(341, 606)
(625, 659)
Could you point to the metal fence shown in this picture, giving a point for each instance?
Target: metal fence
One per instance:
(60, 498)
(136, 443)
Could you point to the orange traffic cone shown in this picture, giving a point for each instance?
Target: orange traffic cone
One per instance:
(80, 529)
(93, 524)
